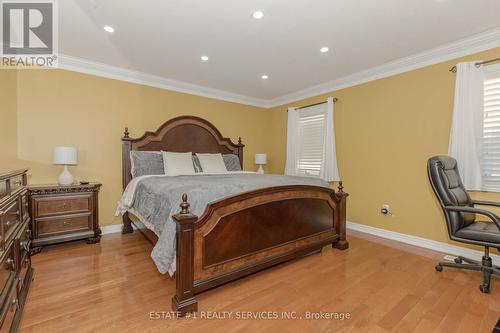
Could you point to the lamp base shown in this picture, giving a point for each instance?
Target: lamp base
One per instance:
(66, 178)
(260, 170)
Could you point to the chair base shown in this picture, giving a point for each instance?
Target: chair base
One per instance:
(485, 266)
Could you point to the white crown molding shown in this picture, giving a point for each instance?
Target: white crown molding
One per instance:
(474, 44)
(80, 65)
(422, 242)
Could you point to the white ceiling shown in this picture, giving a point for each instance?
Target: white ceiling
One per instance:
(166, 38)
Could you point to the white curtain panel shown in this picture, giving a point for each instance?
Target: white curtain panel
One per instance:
(329, 170)
(291, 142)
(467, 124)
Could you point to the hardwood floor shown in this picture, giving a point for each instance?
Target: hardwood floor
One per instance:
(384, 286)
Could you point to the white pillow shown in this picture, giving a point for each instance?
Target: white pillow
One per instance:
(212, 163)
(177, 163)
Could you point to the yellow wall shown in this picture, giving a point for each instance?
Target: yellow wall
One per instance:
(62, 108)
(8, 117)
(385, 132)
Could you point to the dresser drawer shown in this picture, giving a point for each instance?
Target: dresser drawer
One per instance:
(7, 272)
(25, 265)
(3, 188)
(57, 225)
(9, 310)
(16, 182)
(49, 206)
(11, 218)
(25, 207)
(22, 245)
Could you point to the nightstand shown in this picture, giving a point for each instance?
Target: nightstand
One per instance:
(64, 213)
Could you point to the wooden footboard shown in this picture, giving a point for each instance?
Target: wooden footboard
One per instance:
(245, 233)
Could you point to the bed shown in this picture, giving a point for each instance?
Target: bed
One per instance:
(239, 234)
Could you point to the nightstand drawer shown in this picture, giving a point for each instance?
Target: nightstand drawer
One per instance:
(48, 206)
(57, 225)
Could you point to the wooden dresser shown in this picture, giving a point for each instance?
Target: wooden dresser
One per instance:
(64, 213)
(16, 273)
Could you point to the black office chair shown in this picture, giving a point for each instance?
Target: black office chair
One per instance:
(460, 213)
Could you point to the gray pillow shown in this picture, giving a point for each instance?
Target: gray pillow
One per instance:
(146, 163)
(232, 162)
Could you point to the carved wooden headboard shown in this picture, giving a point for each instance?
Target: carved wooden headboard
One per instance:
(181, 134)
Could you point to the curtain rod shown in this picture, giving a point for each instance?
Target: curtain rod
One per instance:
(335, 100)
(478, 64)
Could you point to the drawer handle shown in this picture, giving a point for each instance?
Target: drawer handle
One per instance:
(66, 223)
(65, 205)
(13, 304)
(7, 223)
(25, 245)
(10, 264)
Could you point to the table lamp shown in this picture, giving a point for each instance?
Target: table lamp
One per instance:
(260, 159)
(65, 156)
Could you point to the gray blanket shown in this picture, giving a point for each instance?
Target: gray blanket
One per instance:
(157, 199)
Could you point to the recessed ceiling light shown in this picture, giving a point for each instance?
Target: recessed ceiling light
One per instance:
(324, 49)
(258, 15)
(264, 77)
(204, 58)
(109, 28)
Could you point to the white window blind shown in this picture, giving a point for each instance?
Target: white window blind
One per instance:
(311, 136)
(491, 133)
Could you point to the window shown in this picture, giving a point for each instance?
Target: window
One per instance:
(491, 130)
(311, 139)
(310, 146)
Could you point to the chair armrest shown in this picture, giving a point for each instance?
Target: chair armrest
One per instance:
(486, 203)
(467, 209)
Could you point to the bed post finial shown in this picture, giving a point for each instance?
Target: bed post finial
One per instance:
(126, 133)
(239, 140)
(341, 187)
(184, 204)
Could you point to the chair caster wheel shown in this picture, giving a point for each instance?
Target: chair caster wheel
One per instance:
(458, 260)
(484, 288)
(439, 268)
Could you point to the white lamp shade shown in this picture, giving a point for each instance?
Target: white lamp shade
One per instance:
(64, 155)
(260, 158)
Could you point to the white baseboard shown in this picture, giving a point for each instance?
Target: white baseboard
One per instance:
(111, 229)
(422, 242)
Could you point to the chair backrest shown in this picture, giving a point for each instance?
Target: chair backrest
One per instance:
(448, 187)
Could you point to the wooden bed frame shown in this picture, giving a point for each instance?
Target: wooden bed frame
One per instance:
(240, 234)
